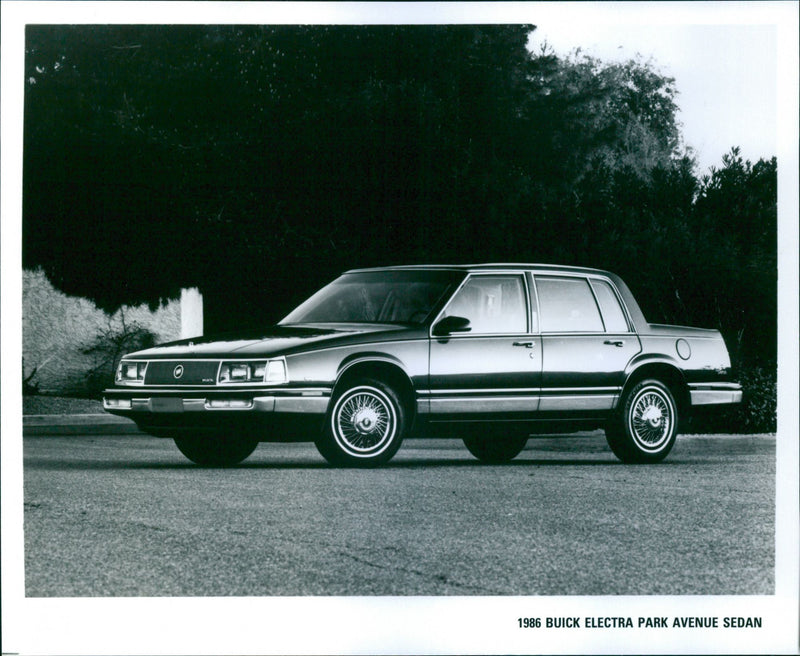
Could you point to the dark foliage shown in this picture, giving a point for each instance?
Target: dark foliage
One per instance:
(258, 162)
(756, 414)
(107, 348)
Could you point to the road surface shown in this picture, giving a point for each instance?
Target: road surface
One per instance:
(128, 515)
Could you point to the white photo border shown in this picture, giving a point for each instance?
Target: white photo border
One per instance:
(406, 625)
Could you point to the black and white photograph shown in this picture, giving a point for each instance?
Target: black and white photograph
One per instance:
(400, 328)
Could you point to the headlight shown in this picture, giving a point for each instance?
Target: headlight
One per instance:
(131, 373)
(272, 372)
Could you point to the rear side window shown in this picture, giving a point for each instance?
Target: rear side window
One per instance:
(567, 305)
(613, 316)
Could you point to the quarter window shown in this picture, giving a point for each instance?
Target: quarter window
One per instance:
(567, 305)
(493, 304)
(613, 316)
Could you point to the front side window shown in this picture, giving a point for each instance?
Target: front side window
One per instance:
(567, 305)
(493, 304)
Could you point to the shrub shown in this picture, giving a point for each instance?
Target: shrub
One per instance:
(30, 387)
(58, 329)
(108, 347)
(757, 413)
(758, 410)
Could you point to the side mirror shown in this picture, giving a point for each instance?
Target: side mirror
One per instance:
(451, 325)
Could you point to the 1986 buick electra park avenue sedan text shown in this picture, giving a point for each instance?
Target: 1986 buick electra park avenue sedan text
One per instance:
(489, 353)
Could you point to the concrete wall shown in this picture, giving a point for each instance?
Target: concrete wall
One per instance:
(191, 313)
(56, 327)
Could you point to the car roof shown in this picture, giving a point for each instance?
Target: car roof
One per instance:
(497, 266)
(633, 307)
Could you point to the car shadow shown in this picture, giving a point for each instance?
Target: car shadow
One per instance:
(296, 464)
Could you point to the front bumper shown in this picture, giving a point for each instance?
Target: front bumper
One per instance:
(715, 393)
(140, 403)
(275, 415)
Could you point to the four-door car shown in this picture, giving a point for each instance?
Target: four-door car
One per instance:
(488, 353)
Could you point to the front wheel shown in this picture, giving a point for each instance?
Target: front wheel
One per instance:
(645, 429)
(215, 450)
(365, 427)
(495, 449)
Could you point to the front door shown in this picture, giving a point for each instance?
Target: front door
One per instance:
(493, 371)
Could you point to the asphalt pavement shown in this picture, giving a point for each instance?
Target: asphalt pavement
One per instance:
(126, 515)
(80, 424)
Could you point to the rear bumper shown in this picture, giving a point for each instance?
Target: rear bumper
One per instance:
(715, 394)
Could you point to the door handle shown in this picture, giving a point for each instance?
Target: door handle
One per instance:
(615, 342)
(525, 344)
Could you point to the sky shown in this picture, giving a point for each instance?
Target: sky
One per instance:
(726, 77)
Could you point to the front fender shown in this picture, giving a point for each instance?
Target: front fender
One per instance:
(360, 358)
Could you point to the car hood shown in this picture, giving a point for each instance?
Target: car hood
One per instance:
(279, 340)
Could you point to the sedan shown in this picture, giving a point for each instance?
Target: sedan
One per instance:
(489, 353)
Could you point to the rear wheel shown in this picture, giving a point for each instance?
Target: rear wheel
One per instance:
(645, 429)
(212, 450)
(365, 427)
(496, 449)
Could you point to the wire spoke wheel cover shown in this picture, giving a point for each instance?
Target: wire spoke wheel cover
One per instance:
(650, 418)
(646, 428)
(366, 425)
(364, 421)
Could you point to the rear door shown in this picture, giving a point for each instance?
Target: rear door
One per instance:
(587, 342)
(492, 372)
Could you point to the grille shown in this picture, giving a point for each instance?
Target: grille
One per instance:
(194, 373)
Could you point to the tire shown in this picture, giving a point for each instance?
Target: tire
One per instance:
(495, 449)
(365, 427)
(645, 428)
(215, 450)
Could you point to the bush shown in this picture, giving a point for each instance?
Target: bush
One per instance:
(758, 410)
(29, 386)
(58, 329)
(107, 349)
(757, 413)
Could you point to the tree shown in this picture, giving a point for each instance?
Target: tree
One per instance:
(165, 156)
(233, 158)
(737, 218)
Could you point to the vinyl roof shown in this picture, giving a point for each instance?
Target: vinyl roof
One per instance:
(497, 266)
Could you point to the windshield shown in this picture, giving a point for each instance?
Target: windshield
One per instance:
(377, 297)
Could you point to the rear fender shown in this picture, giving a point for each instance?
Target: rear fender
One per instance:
(664, 369)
